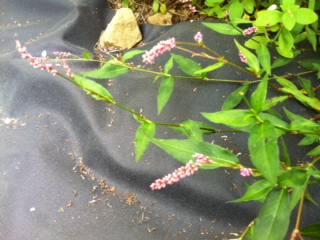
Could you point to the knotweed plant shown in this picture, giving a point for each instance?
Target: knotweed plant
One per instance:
(282, 185)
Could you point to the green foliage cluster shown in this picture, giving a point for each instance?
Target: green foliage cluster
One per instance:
(282, 185)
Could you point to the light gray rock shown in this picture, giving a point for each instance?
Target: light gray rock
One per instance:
(122, 32)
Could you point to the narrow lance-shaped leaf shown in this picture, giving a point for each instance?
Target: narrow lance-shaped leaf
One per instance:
(97, 91)
(306, 85)
(285, 153)
(224, 28)
(144, 133)
(264, 58)
(164, 93)
(274, 217)
(258, 97)
(108, 70)
(187, 65)
(296, 195)
(183, 150)
(312, 231)
(234, 117)
(264, 150)
(210, 68)
(256, 191)
(285, 43)
(192, 130)
(293, 178)
(235, 98)
(169, 65)
(129, 55)
(252, 60)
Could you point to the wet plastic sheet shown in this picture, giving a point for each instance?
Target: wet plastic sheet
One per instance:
(67, 168)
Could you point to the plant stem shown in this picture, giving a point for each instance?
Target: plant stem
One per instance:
(296, 231)
(247, 229)
(202, 46)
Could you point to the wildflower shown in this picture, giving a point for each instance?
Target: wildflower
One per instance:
(67, 69)
(62, 54)
(36, 62)
(162, 47)
(192, 8)
(246, 172)
(249, 31)
(242, 57)
(198, 37)
(189, 169)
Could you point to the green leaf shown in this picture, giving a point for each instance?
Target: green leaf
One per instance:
(164, 93)
(286, 156)
(296, 196)
(258, 97)
(169, 65)
(312, 37)
(264, 58)
(256, 41)
(314, 152)
(288, 21)
(286, 43)
(235, 98)
(187, 65)
(306, 85)
(234, 117)
(268, 17)
(224, 28)
(300, 37)
(249, 5)
(294, 178)
(142, 141)
(87, 55)
(94, 89)
(312, 231)
(108, 70)
(274, 217)
(163, 8)
(281, 61)
(305, 16)
(183, 150)
(310, 198)
(309, 64)
(192, 130)
(236, 10)
(155, 6)
(308, 140)
(264, 150)
(253, 61)
(132, 54)
(276, 121)
(256, 191)
(271, 102)
(289, 87)
(210, 68)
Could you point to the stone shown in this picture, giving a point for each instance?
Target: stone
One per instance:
(160, 19)
(122, 32)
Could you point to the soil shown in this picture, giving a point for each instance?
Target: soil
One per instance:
(143, 9)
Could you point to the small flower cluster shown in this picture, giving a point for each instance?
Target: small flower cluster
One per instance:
(67, 69)
(191, 8)
(36, 62)
(163, 46)
(242, 57)
(198, 37)
(249, 31)
(189, 169)
(246, 172)
(62, 54)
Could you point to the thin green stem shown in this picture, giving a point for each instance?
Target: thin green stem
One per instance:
(202, 46)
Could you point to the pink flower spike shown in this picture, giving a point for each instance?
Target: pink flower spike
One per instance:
(67, 69)
(249, 31)
(246, 172)
(192, 8)
(242, 57)
(198, 37)
(163, 46)
(189, 169)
